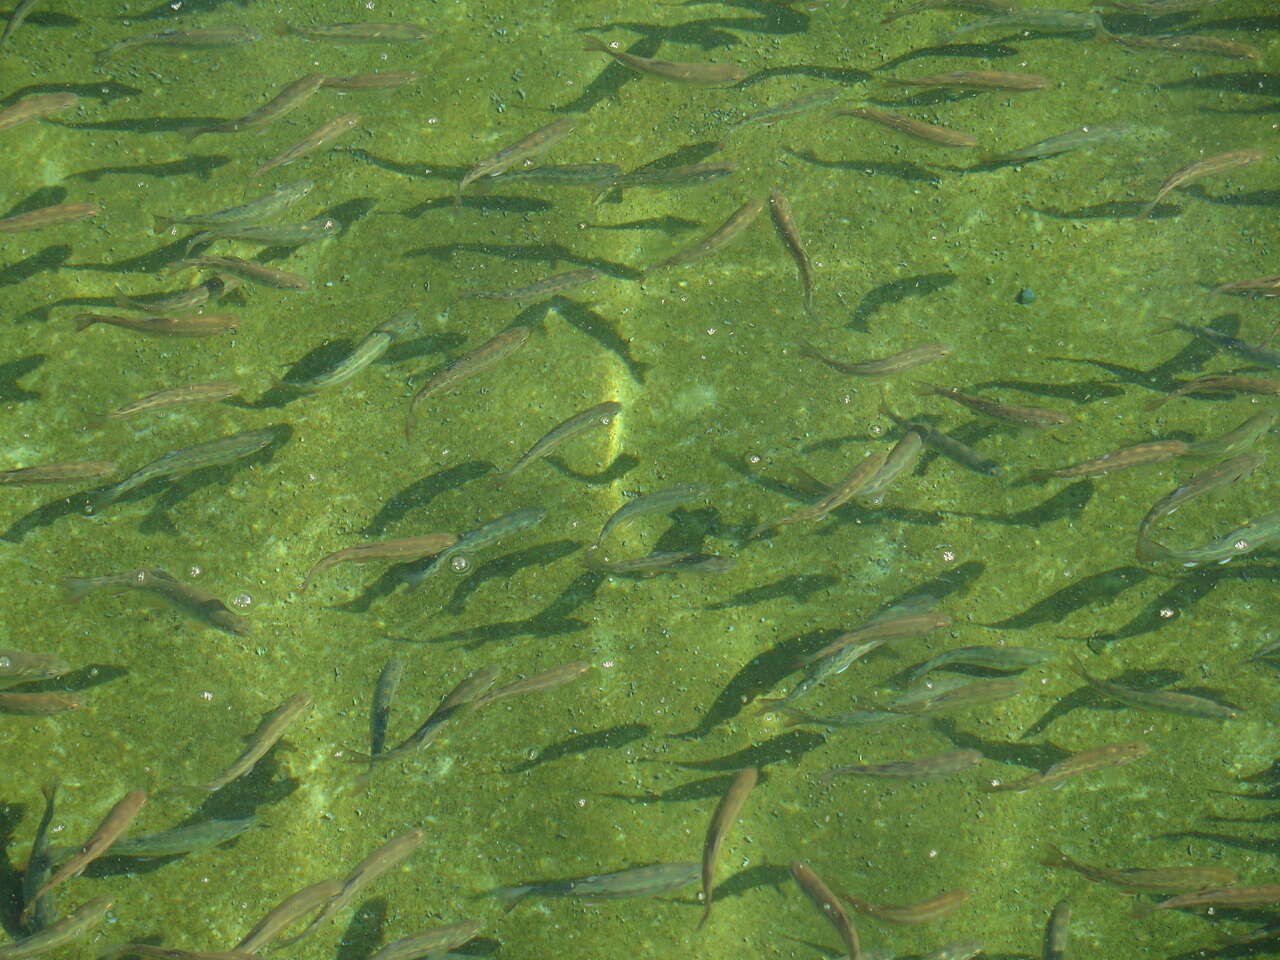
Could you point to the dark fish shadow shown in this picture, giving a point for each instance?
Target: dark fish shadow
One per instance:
(348, 214)
(609, 82)
(44, 197)
(753, 878)
(482, 203)
(420, 171)
(322, 358)
(1261, 83)
(1037, 756)
(799, 587)
(365, 931)
(200, 166)
(1093, 592)
(412, 348)
(689, 154)
(1268, 846)
(990, 51)
(1068, 502)
(709, 788)
(1110, 210)
(895, 292)
(670, 225)
(551, 254)
(505, 567)
(421, 493)
(44, 260)
(904, 170)
(152, 262)
(813, 71)
(552, 621)
(77, 681)
(11, 814)
(610, 738)
(109, 865)
(786, 748)
(770, 18)
(622, 464)
(48, 514)
(1080, 392)
(45, 18)
(602, 330)
(140, 124)
(1162, 378)
(1085, 697)
(11, 371)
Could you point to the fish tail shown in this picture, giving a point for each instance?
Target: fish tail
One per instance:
(510, 896)
(595, 43)
(85, 321)
(923, 389)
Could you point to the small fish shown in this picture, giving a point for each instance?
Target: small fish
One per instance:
(21, 666)
(1040, 21)
(276, 234)
(436, 942)
(1256, 353)
(175, 396)
(484, 535)
(790, 108)
(560, 174)
(38, 704)
(1157, 451)
(784, 222)
(366, 31)
(923, 912)
(881, 367)
(463, 698)
(829, 906)
(908, 126)
(911, 617)
(1206, 481)
(405, 548)
(526, 148)
(558, 676)
(726, 815)
(1190, 43)
(1218, 163)
(710, 74)
(1008, 659)
(377, 80)
(290, 98)
(259, 208)
(111, 829)
(176, 463)
(949, 447)
(74, 926)
(1235, 441)
(644, 881)
(181, 841)
(291, 908)
(1006, 412)
(975, 80)
(1268, 286)
(901, 459)
(488, 353)
(601, 415)
(658, 501)
(170, 953)
(1154, 879)
(540, 289)
(923, 768)
(172, 37)
(248, 270)
(35, 107)
(1253, 535)
(833, 664)
(320, 137)
(1263, 894)
(687, 175)
(954, 694)
(848, 488)
(384, 693)
(662, 561)
(1163, 701)
(374, 344)
(186, 597)
(1085, 135)
(976, 6)
(738, 221)
(1220, 383)
(1058, 931)
(1156, 8)
(269, 732)
(1096, 758)
(57, 472)
(39, 867)
(181, 325)
(53, 216)
(212, 289)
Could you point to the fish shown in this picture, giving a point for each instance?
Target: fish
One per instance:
(600, 415)
(910, 617)
(176, 463)
(909, 126)
(374, 344)
(212, 289)
(1095, 758)
(290, 98)
(35, 107)
(72, 470)
(403, 548)
(320, 137)
(784, 222)
(1253, 535)
(923, 912)
(954, 694)
(488, 353)
(1041, 21)
(977, 6)
(686, 175)
(376, 31)
(21, 666)
(378, 80)
(646, 881)
(248, 270)
(40, 867)
(1262, 894)
(1218, 163)
(722, 820)
(526, 148)
(74, 926)
(435, 942)
(174, 37)
(662, 561)
(709, 74)
(838, 496)
(1204, 482)
(558, 676)
(39, 704)
(1058, 931)
(291, 908)
(463, 698)
(1235, 441)
(738, 221)
(882, 366)
(1221, 383)
(484, 535)
(276, 234)
(384, 693)
(1156, 8)
(975, 80)
(539, 289)
(1154, 879)
(657, 501)
(269, 732)
(1156, 451)
(989, 657)
(949, 447)
(112, 827)
(170, 953)
(1268, 286)
(382, 860)
(53, 216)
(828, 905)
(257, 209)
(922, 768)
(186, 597)
(901, 459)
(175, 396)
(1079, 137)
(1006, 412)
(831, 665)
(1163, 701)
(180, 325)
(181, 841)
(560, 174)
(798, 106)
(1256, 353)
(1190, 43)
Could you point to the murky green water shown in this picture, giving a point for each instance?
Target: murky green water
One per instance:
(625, 766)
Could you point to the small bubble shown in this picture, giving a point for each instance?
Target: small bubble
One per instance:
(580, 802)
(206, 694)
(459, 564)
(1167, 613)
(194, 570)
(949, 556)
(241, 600)
(753, 459)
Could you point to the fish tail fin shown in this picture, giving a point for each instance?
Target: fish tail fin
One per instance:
(84, 321)
(596, 44)
(161, 223)
(510, 896)
(1055, 857)
(806, 349)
